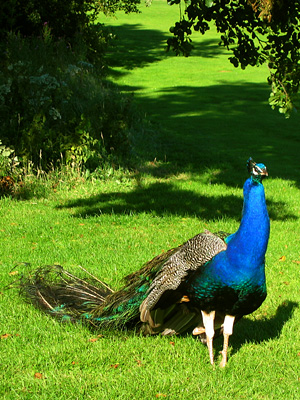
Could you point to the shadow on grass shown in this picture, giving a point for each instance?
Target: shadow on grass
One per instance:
(220, 126)
(260, 330)
(164, 198)
(137, 47)
(207, 126)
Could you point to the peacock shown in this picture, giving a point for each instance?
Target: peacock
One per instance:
(201, 287)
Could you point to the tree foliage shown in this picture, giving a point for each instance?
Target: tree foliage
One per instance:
(71, 20)
(65, 17)
(256, 32)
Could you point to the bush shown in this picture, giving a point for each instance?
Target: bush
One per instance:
(54, 104)
(65, 18)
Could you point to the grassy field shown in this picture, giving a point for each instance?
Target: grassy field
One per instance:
(210, 118)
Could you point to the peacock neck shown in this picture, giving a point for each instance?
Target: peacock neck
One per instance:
(250, 241)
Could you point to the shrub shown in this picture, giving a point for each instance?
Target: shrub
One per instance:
(65, 18)
(8, 164)
(53, 103)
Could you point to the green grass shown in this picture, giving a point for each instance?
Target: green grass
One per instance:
(211, 118)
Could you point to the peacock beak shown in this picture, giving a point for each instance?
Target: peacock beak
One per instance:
(264, 172)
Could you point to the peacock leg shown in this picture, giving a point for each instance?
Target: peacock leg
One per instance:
(227, 331)
(208, 322)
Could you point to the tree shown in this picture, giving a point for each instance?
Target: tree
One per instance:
(66, 18)
(256, 32)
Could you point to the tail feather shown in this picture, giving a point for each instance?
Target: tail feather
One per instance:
(62, 294)
(69, 298)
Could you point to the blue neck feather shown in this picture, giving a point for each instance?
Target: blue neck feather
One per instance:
(247, 247)
(241, 267)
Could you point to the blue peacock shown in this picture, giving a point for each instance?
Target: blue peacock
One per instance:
(202, 286)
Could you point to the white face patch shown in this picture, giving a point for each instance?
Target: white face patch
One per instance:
(256, 170)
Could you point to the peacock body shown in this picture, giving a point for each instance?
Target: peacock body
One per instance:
(202, 286)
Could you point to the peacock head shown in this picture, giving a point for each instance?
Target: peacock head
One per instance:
(257, 171)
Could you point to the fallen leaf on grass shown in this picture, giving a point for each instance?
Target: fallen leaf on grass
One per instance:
(160, 395)
(283, 258)
(38, 375)
(139, 363)
(5, 336)
(172, 343)
(296, 261)
(114, 365)
(96, 338)
(12, 273)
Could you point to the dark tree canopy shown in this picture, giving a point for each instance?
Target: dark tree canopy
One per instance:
(256, 32)
(65, 17)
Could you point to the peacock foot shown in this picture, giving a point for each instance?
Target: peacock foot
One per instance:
(224, 359)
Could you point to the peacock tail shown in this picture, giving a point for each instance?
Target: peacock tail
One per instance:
(70, 298)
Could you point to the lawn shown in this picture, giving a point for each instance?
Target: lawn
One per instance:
(207, 118)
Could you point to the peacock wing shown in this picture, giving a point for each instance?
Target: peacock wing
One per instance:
(189, 257)
(150, 269)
